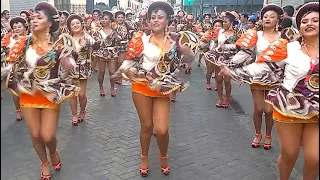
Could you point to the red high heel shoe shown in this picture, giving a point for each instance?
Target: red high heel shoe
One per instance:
(226, 103)
(102, 93)
(113, 92)
(75, 120)
(81, 118)
(208, 86)
(18, 117)
(188, 71)
(144, 172)
(269, 145)
(165, 170)
(256, 144)
(219, 104)
(45, 177)
(58, 166)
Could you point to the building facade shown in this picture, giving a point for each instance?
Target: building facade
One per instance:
(212, 6)
(5, 5)
(282, 3)
(16, 6)
(62, 5)
(78, 6)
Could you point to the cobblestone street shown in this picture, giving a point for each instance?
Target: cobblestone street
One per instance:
(206, 143)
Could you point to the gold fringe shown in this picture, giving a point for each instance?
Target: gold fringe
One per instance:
(149, 95)
(41, 106)
(310, 117)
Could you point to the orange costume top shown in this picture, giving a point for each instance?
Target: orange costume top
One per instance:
(296, 100)
(41, 77)
(154, 67)
(252, 41)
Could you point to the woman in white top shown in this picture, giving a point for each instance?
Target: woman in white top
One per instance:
(41, 77)
(83, 71)
(152, 63)
(295, 103)
(19, 28)
(223, 36)
(253, 43)
(108, 52)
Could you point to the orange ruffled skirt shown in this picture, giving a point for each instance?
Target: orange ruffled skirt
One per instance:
(144, 90)
(37, 101)
(277, 116)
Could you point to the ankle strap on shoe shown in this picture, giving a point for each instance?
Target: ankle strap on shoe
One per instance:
(54, 154)
(164, 157)
(45, 163)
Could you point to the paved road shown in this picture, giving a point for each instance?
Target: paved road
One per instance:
(205, 143)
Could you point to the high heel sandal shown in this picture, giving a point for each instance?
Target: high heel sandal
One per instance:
(58, 166)
(219, 104)
(226, 103)
(81, 118)
(113, 92)
(188, 71)
(269, 145)
(102, 93)
(75, 120)
(208, 86)
(144, 172)
(166, 170)
(256, 144)
(18, 118)
(45, 177)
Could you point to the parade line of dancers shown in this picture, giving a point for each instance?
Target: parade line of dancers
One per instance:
(47, 57)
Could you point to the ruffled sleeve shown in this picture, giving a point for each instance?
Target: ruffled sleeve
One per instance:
(186, 39)
(5, 41)
(277, 51)
(18, 49)
(205, 41)
(216, 33)
(246, 45)
(206, 36)
(248, 40)
(268, 69)
(133, 55)
(135, 46)
(66, 49)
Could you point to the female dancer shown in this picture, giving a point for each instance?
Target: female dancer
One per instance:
(25, 15)
(83, 43)
(172, 28)
(63, 22)
(95, 26)
(189, 26)
(108, 51)
(260, 40)
(296, 102)
(19, 28)
(207, 43)
(161, 51)
(226, 35)
(252, 24)
(124, 30)
(42, 79)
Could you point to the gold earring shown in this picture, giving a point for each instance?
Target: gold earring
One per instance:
(48, 33)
